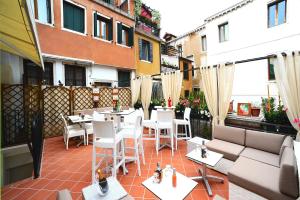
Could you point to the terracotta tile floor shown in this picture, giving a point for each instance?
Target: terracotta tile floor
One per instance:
(72, 170)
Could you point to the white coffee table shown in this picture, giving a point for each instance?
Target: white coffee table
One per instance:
(212, 159)
(115, 192)
(165, 190)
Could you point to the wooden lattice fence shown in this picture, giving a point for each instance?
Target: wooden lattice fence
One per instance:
(82, 98)
(125, 96)
(105, 98)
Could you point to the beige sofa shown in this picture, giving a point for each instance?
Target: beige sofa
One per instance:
(264, 163)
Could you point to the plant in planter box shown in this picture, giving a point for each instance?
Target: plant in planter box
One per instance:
(255, 109)
(272, 114)
(138, 104)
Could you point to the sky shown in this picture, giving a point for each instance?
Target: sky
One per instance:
(181, 16)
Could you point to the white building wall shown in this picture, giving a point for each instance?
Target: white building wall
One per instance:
(250, 37)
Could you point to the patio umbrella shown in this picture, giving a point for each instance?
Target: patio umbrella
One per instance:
(18, 33)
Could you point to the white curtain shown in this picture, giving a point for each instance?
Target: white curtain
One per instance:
(171, 85)
(209, 83)
(135, 90)
(287, 74)
(146, 92)
(225, 84)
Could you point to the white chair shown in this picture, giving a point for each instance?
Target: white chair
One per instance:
(106, 138)
(89, 126)
(136, 134)
(150, 124)
(71, 131)
(164, 122)
(186, 123)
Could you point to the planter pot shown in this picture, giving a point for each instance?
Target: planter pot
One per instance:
(255, 112)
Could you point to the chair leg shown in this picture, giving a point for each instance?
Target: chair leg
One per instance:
(142, 149)
(176, 134)
(137, 156)
(67, 145)
(93, 165)
(172, 141)
(87, 139)
(157, 140)
(114, 170)
(123, 157)
(190, 130)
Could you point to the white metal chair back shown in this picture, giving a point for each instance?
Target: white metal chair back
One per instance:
(153, 116)
(138, 125)
(165, 116)
(104, 129)
(187, 113)
(98, 117)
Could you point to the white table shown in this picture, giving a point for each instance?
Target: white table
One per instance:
(194, 142)
(80, 120)
(115, 191)
(212, 159)
(165, 190)
(164, 108)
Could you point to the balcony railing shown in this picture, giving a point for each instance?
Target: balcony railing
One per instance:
(117, 4)
(148, 26)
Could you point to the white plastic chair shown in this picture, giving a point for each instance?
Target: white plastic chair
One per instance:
(150, 124)
(186, 123)
(164, 122)
(136, 134)
(105, 137)
(71, 131)
(89, 126)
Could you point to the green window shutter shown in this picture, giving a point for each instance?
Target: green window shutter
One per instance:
(68, 15)
(119, 33)
(140, 48)
(79, 19)
(130, 37)
(95, 24)
(150, 52)
(110, 29)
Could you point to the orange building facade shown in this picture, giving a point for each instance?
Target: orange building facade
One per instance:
(93, 40)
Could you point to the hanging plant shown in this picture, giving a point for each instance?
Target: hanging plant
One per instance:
(137, 7)
(155, 16)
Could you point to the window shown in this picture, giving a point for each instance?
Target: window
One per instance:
(74, 17)
(276, 13)
(179, 49)
(271, 73)
(193, 73)
(124, 78)
(145, 50)
(203, 43)
(186, 93)
(74, 75)
(223, 32)
(42, 10)
(124, 35)
(186, 72)
(34, 74)
(102, 84)
(197, 90)
(103, 27)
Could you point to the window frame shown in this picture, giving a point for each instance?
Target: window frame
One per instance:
(148, 42)
(73, 66)
(276, 3)
(62, 17)
(269, 70)
(186, 75)
(128, 27)
(124, 71)
(38, 74)
(204, 50)
(219, 30)
(52, 14)
(112, 24)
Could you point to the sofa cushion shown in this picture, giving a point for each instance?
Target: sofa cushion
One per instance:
(257, 177)
(288, 182)
(287, 142)
(269, 142)
(230, 151)
(261, 156)
(229, 134)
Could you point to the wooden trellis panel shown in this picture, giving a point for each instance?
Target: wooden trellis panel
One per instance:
(13, 122)
(125, 96)
(82, 98)
(56, 101)
(105, 99)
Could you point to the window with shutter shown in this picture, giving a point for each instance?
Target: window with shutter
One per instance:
(125, 35)
(75, 75)
(140, 49)
(74, 17)
(130, 37)
(102, 27)
(146, 49)
(119, 33)
(185, 72)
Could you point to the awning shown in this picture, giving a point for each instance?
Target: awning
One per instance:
(18, 34)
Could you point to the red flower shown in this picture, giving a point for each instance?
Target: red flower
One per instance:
(296, 120)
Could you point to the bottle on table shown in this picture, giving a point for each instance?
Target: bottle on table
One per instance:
(174, 178)
(102, 182)
(203, 150)
(169, 102)
(158, 173)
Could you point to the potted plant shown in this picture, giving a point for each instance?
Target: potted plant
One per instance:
(255, 109)
(138, 104)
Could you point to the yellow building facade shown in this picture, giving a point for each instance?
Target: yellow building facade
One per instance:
(147, 53)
